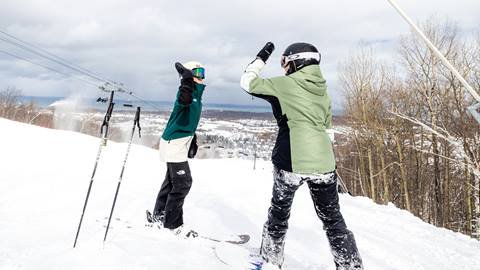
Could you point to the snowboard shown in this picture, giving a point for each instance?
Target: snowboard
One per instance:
(235, 239)
(241, 257)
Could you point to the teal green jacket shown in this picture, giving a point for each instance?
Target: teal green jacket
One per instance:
(183, 121)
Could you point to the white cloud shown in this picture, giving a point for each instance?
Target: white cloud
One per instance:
(137, 42)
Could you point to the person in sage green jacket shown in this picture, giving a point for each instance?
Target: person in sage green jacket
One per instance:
(303, 152)
(177, 144)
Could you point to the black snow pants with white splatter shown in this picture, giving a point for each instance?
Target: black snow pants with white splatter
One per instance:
(324, 193)
(170, 198)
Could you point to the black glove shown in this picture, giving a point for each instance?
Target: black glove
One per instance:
(184, 72)
(266, 51)
(186, 90)
(186, 84)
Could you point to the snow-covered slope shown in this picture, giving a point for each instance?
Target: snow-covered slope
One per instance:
(44, 175)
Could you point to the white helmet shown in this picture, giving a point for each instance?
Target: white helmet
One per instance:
(197, 69)
(193, 64)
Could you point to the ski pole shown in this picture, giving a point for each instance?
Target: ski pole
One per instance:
(103, 142)
(136, 123)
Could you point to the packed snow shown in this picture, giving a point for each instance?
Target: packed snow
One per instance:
(45, 175)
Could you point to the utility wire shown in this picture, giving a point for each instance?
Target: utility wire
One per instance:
(126, 92)
(151, 104)
(61, 61)
(54, 56)
(47, 67)
(50, 58)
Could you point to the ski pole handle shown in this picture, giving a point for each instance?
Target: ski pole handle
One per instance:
(137, 121)
(108, 115)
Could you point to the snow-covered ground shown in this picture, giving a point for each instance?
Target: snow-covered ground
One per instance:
(44, 176)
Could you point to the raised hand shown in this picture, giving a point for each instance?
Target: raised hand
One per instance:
(184, 72)
(266, 51)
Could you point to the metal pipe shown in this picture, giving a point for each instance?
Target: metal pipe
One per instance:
(457, 74)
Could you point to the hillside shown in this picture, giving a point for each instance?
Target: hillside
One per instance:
(45, 174)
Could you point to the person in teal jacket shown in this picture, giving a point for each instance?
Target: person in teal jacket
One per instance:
(303, 152)
(177, 144)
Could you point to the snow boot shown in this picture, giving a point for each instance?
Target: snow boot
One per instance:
(344, 251)
(155, 220)
(272, 249)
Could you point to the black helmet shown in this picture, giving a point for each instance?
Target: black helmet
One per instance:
(299, 55)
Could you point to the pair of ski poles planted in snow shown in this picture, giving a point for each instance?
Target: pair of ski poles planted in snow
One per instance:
(103, 143)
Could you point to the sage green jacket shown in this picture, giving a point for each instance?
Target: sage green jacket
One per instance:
(301, 100)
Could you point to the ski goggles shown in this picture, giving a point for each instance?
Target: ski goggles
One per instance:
(304, 55)
(199, 73)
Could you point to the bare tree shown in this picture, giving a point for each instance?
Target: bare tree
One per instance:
(8, 102)
(428, 164)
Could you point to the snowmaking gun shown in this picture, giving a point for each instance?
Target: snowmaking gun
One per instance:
(474, 110)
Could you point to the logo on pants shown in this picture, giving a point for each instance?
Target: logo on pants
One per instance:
(181, 172)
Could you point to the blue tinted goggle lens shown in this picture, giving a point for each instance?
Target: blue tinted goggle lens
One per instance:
(199, 73)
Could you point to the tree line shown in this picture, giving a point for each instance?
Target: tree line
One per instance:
(410, 138)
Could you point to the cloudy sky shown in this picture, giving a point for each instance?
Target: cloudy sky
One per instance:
(137, 42)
